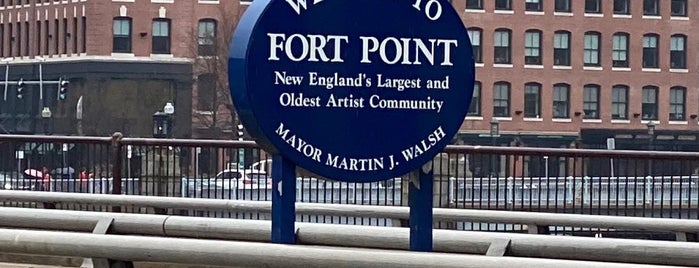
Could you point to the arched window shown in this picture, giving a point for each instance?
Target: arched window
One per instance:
(532, 47)
(620, 102)
(561, 100)
(592, 49)
(501, 99)
(650, 51)
(532, 100)
(620, 50)
(677, 103)
(591, 94)
(678, 51)
(474, 109)
(476, 43)
(649, 104)
(502, 46)
(561, 48)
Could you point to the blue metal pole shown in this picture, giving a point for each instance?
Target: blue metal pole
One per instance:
(283, 200)
(420, 199)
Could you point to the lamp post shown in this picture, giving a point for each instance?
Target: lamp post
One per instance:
(651, 137)
(7, 75)
(494, 133)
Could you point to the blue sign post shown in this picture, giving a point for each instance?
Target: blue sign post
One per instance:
(352, 90)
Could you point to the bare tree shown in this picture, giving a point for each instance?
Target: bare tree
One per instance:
(210, 49)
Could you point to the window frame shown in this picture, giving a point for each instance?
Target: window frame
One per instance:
(674, 104)
(507, 5)
(499, 99)
(651, 51)
(649, 103)
(620, 105)
(589, 101)
(561, 56)
(157, 39)
(532, 88)
(502, 54)
(207, 40)
(532, 48)
(474, 108)
(596, 3)
(626, 10)
(620, 52)
(558, 90)
(681, 4)
(678, 58)
(651, 8)
(470, 4)
(478, 46)
(533, 5)
(563, 6)
(125, 39)
(588, 51)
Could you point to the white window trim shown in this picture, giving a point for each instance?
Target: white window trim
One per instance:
(593, 68)
(564, 14)
(621, 69)
(562, 67)
(562, 120)
(678, 122)
(652, 70)
(679, 70)
(473, 118)
(503, 118)
(532, 119)
(528, 66)
(500, 65)
(596, 121)
(508, 12)
(621, 121)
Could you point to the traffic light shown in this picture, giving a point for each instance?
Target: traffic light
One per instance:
(20, 88)
(62, 88)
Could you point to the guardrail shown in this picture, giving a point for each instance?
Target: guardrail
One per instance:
(248, 254)
(389, 238)
(534, 222)
(601, 182)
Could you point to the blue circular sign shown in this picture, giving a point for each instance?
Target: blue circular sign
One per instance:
(353, 90)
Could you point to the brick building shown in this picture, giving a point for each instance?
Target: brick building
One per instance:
(126, 58)
(564, 73)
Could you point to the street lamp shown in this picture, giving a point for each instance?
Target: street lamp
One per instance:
(494, 133)
(651, 137)
(46, 115)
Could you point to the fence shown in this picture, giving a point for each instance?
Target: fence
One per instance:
(580, 181)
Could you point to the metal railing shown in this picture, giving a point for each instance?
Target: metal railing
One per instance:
(114, 237)
(578, 181)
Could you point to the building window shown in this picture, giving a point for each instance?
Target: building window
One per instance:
(561, 48)
(650, 51)
(474, 4)
(678, 8)
(532, 100)
(501, 99)
(502, 46)
(650, 8)
(593, 6)
(161, 36)
(677, 103)
(503, 4)
(649, 106)
(533, 5)
(591, 101)
(620, 102)
(560, 100)
(532, 47)
(592, 40)
(562, 6)
(678, 53)
(621, 7)
(475, 108)
(207, 37)
(122, 35)
(206, 91)
(475, 36)
(620, 50)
